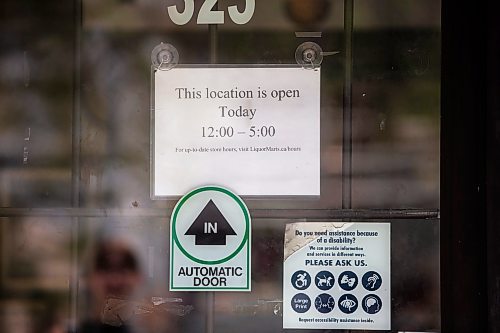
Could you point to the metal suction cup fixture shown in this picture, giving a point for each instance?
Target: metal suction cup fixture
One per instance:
(164, 57)
(309, 55)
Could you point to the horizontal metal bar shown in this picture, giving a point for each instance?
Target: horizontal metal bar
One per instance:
(357, 214)
(308, 214)
(308, 34)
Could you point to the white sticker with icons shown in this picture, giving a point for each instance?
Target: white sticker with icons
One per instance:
(337, 276)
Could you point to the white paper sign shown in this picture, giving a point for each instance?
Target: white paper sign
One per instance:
(254, 130)
(337, 276)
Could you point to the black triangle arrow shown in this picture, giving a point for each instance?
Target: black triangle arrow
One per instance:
(210, 227)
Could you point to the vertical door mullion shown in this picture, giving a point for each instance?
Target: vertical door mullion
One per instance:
(210, 295)
(75, 164)
(347, 107)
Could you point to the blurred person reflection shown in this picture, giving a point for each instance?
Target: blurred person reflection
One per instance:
(113, 280)
(119, 300)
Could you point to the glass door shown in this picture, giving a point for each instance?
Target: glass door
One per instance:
(85, 246)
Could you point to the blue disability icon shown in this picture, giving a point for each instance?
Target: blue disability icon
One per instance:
(324, 303)
(301, 280)
(371, 304)
(301, 303)
(348, 280)
(348, 303)
(324, 280)
(371, 281)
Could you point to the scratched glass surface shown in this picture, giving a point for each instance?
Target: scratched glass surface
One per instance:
(124, 279)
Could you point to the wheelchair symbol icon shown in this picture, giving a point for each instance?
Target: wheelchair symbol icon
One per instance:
(301, 280)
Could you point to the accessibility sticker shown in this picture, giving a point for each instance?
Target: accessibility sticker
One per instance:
(337, 276)
(210, 236)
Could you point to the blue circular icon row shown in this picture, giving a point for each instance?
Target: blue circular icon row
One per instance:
(347, 303)
(324, 280)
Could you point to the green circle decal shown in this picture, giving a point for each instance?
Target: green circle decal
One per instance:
(185, 198)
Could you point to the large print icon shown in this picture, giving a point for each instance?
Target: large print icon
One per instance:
(301, 303)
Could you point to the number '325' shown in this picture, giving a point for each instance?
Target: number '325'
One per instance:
(209, 16)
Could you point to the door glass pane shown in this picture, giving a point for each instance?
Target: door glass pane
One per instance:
(83, 245)
(36, 267)
(396, 104)
(36, 101)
